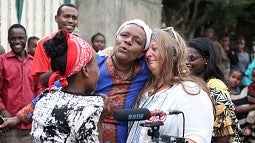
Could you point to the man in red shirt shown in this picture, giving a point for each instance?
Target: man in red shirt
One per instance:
(66, 18)
(17, 86)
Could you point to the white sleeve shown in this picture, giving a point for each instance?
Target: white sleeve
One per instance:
(199, 118)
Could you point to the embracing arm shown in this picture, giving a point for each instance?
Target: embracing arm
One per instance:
(26, 113)
(23, 116)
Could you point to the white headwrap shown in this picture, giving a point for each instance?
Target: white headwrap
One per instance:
(142, 24)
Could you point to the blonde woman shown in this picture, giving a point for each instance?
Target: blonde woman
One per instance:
(172, 87)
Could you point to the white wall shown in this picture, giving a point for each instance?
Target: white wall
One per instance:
(103, 16)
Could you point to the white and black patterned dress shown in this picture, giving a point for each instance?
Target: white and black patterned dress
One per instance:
(62, 117)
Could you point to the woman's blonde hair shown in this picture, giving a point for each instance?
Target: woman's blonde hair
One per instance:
(172, 62)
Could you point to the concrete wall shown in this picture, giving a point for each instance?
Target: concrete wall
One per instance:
(105, 16)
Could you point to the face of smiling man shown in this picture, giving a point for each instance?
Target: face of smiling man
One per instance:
(17, 39)
(67, 19)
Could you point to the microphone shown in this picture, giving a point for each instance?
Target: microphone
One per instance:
(137, 114)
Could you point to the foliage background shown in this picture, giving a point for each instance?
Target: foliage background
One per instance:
(189, 17)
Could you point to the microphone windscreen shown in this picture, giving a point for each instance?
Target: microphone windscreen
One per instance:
(132, 114)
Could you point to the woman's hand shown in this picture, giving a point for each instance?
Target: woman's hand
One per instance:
(9, 123)
(106, 106)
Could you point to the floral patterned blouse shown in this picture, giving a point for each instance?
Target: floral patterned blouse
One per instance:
(225, 122)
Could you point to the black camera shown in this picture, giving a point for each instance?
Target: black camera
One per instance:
(157, 137)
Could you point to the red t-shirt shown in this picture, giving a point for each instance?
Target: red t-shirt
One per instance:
(17, 86)
(41, 63)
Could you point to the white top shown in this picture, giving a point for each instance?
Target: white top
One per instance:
(62, 117)
(197, 109)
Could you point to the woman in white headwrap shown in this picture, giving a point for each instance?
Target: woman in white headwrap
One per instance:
(123, 74)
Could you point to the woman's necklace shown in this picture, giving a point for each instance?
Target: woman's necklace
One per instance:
(155, 90)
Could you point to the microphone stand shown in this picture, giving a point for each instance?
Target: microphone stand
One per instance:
(156, 136)
(154, 131)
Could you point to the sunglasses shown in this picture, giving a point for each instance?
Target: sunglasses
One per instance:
(193, 57)
(171, 31)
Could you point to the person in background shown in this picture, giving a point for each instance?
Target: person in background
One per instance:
(203, 62)
(243, 56)
(234, 78)
(224, 40)
(31, 44)
(66, 18)
(208, 32)
(123, 73)
(172, 87)
(2, 50)
(241, 100)
(224, 61)
(98, 42)
(70, 113)
(17, 86)
(247, 79)
(251, 115)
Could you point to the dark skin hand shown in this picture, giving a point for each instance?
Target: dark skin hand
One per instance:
(10, 123)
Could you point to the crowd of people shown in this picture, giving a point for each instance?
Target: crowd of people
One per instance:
(62, 90)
